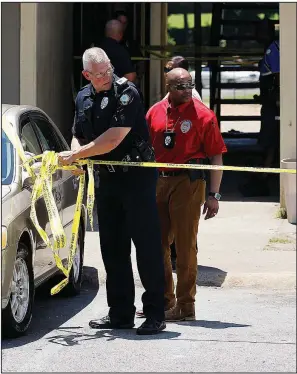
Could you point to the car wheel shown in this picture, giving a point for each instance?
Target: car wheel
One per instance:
(16, 317)
(75, 278)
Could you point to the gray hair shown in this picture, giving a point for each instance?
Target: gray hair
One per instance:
(94, 55)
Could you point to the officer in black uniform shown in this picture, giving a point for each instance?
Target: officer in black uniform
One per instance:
(110, 121)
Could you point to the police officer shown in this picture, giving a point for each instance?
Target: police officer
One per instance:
(269, 136)
(110, 121)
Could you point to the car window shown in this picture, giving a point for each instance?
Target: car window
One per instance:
(7, 160)
(48, 136)
(29, 139)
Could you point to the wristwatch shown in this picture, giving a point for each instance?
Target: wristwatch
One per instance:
(216, 195)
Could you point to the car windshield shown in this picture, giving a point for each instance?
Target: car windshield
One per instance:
(7, 160)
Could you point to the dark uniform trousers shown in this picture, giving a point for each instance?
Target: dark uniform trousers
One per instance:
(126, 203)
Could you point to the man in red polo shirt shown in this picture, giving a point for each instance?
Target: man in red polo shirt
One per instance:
(183, 130)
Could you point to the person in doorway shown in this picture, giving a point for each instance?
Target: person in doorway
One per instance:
(118, 55)
(269, 136)
(131, 45)
(183, 130)
(110, 125)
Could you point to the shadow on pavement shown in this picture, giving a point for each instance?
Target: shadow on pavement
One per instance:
(72, 338)
(210, 277)
(216, 325)
(75, 338)
(50, 312)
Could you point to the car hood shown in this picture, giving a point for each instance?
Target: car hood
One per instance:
(9, 191)
(5, 191)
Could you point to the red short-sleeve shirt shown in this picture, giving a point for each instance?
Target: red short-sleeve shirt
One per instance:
(197, 131)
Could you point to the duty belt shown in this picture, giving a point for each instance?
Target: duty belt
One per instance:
(172, 173)
(114, 169)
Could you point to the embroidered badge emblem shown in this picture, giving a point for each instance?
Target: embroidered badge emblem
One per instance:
(125, 99)
(185, 126)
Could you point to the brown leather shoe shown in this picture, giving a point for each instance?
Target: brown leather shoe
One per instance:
(140, 314)
(182, 312)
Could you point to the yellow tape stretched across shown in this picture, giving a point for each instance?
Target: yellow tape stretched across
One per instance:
(43, 188)
(189, 166)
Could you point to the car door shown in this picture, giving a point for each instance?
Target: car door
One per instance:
(49, 142)
(43, 255)
(52, 140)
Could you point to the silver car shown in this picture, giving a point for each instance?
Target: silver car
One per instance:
(26, 261)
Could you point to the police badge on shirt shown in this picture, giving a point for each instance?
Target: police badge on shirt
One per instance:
(185, 126)
(104, 102)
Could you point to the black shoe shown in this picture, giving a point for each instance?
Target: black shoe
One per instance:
(105, 323)
(150, 327)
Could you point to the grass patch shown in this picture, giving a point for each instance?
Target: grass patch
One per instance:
(177, 21)
(280, 240)
(281, 213)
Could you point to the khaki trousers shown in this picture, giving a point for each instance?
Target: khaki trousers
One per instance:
(179, 204)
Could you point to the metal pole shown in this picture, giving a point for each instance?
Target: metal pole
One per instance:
(198, 42)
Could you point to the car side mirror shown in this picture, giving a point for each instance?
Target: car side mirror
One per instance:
(26, 178)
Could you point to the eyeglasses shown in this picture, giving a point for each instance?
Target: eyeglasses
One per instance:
(182, 87)
(108, 72)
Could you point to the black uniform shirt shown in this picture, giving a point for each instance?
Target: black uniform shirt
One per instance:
(106, 110)
(119, 56)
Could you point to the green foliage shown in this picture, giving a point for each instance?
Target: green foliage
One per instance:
(177, 21)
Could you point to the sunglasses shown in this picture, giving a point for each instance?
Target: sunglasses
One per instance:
(182, 87)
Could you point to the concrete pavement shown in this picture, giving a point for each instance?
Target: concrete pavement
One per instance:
(244, 246)
(236, 330)
(246, 323)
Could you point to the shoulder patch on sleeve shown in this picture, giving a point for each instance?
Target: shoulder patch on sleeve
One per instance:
(125, 99)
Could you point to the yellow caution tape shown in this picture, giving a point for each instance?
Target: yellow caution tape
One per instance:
(91, 191)
(189, 166)
(43, 188)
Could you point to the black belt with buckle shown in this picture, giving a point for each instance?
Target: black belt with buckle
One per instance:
(112, 169)
(116, 168)
(171, 173)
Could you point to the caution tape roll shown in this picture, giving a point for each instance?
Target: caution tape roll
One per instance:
(43, 188)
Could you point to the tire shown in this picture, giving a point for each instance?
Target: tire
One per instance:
(15, 319)
(75, 278)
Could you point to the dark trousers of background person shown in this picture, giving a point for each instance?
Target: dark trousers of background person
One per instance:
(127, 209)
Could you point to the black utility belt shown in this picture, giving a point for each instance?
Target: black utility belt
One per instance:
(193, 174)
(116, 168)
(172, 173)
